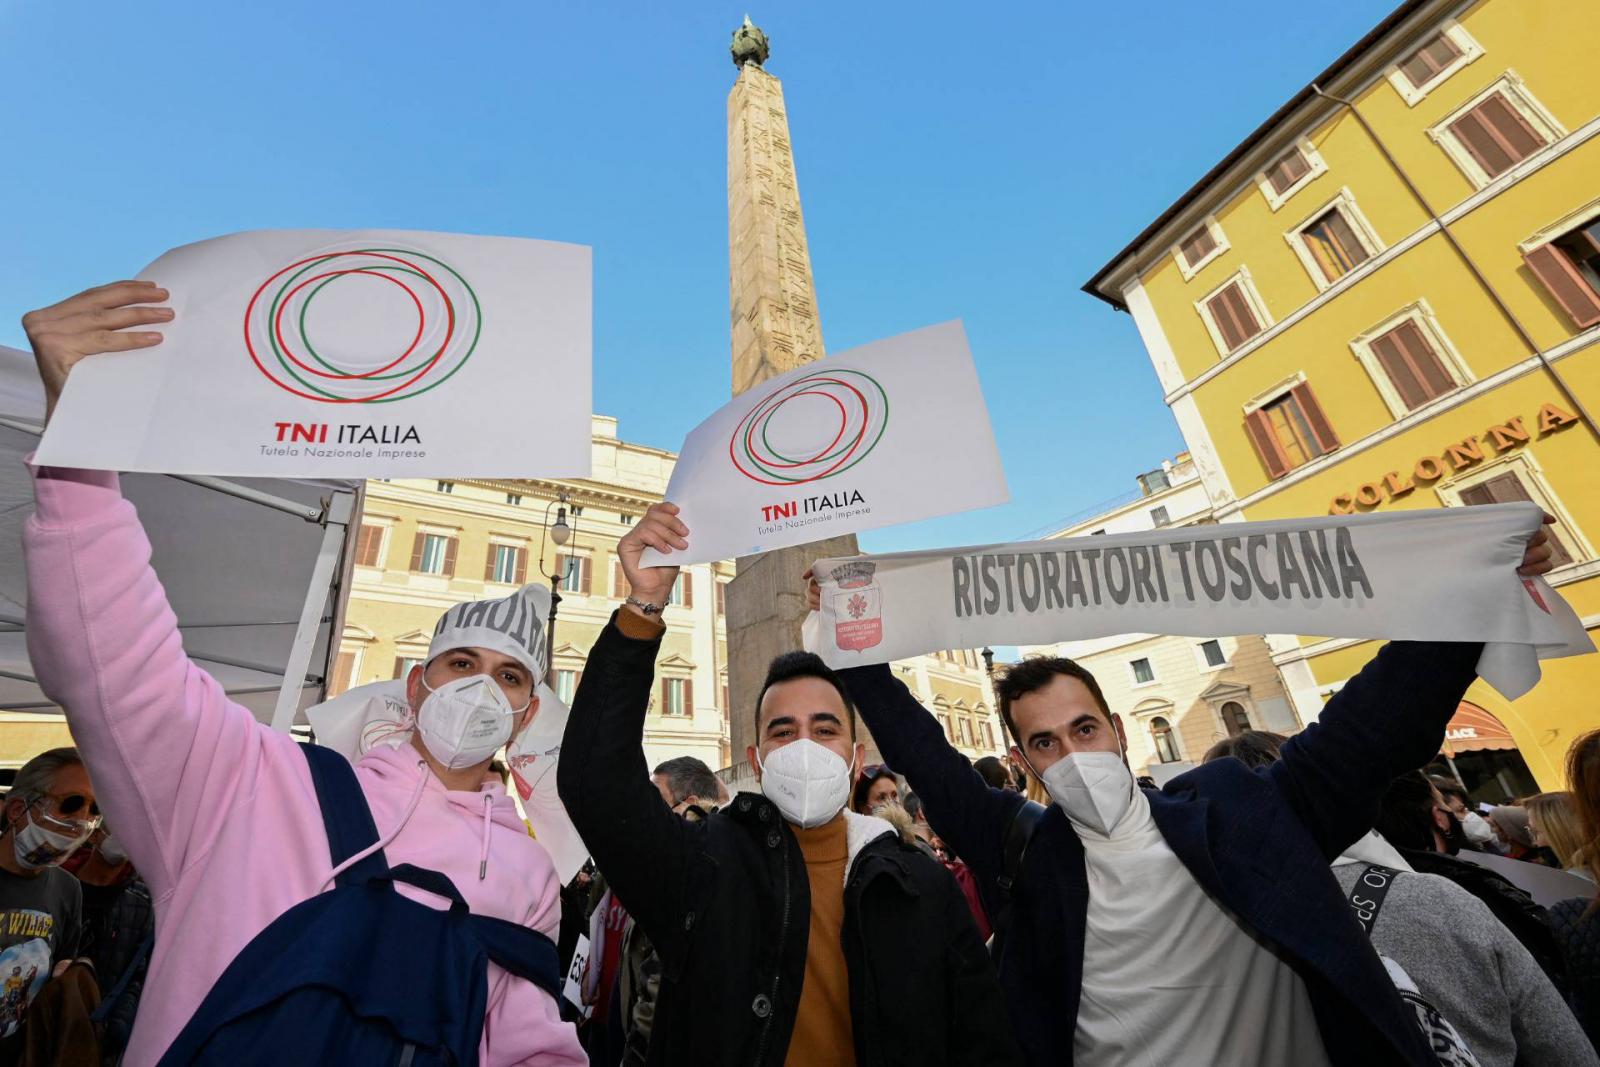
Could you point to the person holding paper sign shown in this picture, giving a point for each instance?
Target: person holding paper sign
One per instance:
(220, 813)
(790, 931)
(1198, 923)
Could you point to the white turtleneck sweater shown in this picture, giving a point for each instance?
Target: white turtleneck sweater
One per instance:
(1169, 976)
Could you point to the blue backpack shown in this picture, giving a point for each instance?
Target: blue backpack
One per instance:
(360, 974)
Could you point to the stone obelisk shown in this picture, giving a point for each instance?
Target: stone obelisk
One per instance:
(775, 329)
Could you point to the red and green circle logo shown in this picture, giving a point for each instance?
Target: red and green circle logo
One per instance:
(812, 428)
(362, 325)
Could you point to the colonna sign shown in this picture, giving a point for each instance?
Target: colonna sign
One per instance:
(1456, 456)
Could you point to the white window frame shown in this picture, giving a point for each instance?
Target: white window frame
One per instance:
(1248, 286)
(1143, 719)
(503, 541)
(1155, 679)
(558, 671)
(1200, 657)
(358, 652)
(568, 554)
(422, 562)
(1274, 392)
(682, 681)
(1465, 43)
(1572, 220)
(1526, 467)
(1221, 239)
(1509, 84)
(1421, 313)
(1313, 159)
(1345, 203)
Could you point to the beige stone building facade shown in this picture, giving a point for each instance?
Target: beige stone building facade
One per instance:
(1177, 695)
(425, 545)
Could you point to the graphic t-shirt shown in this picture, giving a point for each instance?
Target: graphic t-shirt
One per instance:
(39, 924)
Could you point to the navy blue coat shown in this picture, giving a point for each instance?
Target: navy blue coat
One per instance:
(1258, 841)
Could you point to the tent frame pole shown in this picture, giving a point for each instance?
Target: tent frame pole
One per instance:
(335, 518)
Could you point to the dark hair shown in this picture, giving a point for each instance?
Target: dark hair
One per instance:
(1031, 675)
(1253, 748)
(1405, 815)
(1448, 786)
(911, 802)
(991, 770)
(792, 665)
(863, 786)
(687, 777)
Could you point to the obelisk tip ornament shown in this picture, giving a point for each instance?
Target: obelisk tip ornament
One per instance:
(750, 45)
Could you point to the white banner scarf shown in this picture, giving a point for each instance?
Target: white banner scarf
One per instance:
(1440, 575)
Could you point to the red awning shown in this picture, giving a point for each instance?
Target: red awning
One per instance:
(1472, 729)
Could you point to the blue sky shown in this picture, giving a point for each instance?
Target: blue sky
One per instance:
(955, 161)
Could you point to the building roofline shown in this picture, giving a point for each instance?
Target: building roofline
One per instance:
(1261, 133)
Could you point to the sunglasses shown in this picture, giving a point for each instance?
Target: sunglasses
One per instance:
(73, 803)
(874, 770)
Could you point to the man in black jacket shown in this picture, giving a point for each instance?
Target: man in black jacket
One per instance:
(789, 930)
(1198, 923)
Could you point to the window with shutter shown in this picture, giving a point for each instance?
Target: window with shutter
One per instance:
(574, 571)
(619, 580)
(419, 545)
(1235, 320)
(403, 665)
(521, 575)
(1321, 430)
(1334, 245)
(506, 564)
(368, 543)
(434, 554)
(1198, 245)
(1291, 431)
(450, 546)
(1429, 61)
(1496, 135)
(1508, 488)
(1259, 427)
(1288, 169)
(1412, 366)
(1563, 276)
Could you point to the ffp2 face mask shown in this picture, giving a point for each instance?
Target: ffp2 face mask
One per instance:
(466, 720)
(808, 782)
(1094, 789)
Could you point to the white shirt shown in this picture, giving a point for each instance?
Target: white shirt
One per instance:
(1169, 976)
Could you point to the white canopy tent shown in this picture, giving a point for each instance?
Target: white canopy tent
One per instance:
(257, 570)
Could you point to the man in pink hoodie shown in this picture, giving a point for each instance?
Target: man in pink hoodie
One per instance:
(217, 811)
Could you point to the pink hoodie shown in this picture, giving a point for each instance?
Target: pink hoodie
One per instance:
(217, 810)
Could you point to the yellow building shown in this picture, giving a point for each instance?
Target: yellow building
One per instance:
(1177, 696)
(425, 545)
(1388, 297)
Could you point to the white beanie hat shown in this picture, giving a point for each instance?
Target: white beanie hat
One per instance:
(512, 625)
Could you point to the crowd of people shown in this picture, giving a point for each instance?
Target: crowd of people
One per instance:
(248, 899)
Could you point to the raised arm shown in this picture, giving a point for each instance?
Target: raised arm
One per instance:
(962, 808)
(602, 777)
(169, 753)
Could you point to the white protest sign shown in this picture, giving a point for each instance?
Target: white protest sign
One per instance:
(347, 353)
(1439, 575)
(363, 718)
(890, 432)
(572, 989)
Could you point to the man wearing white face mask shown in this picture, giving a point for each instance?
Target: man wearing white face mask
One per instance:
(219, 813)
(48, 814)
(1198, 923)
(790, 931)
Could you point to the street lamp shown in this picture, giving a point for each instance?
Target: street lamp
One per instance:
(560, 533)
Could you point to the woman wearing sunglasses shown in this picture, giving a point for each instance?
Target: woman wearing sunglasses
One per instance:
(48, 814)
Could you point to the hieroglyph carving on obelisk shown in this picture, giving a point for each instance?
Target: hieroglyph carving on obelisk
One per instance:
(772, 298)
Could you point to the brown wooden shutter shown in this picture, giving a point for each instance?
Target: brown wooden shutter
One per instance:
(1424, 360)
(1198, 245)
(1266, 443)
(1565, 284)
(417, 545)
(1423, 65)
(1289, 168)
(585, 573)
(561, 570)
(619, 580)
(367, 543)
(522, 565)
(688, 696)
(488, 562)
(666, 696)
(1327, 440)
(450, 547)
(1395, 366)
(688, 588)
(1234, 318)
(1496, 135)
(343, 664)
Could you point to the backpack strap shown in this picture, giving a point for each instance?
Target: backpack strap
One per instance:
(1367, 895)
(1018, 834)
(345, 815)
(523, 952)
(109, 1004)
